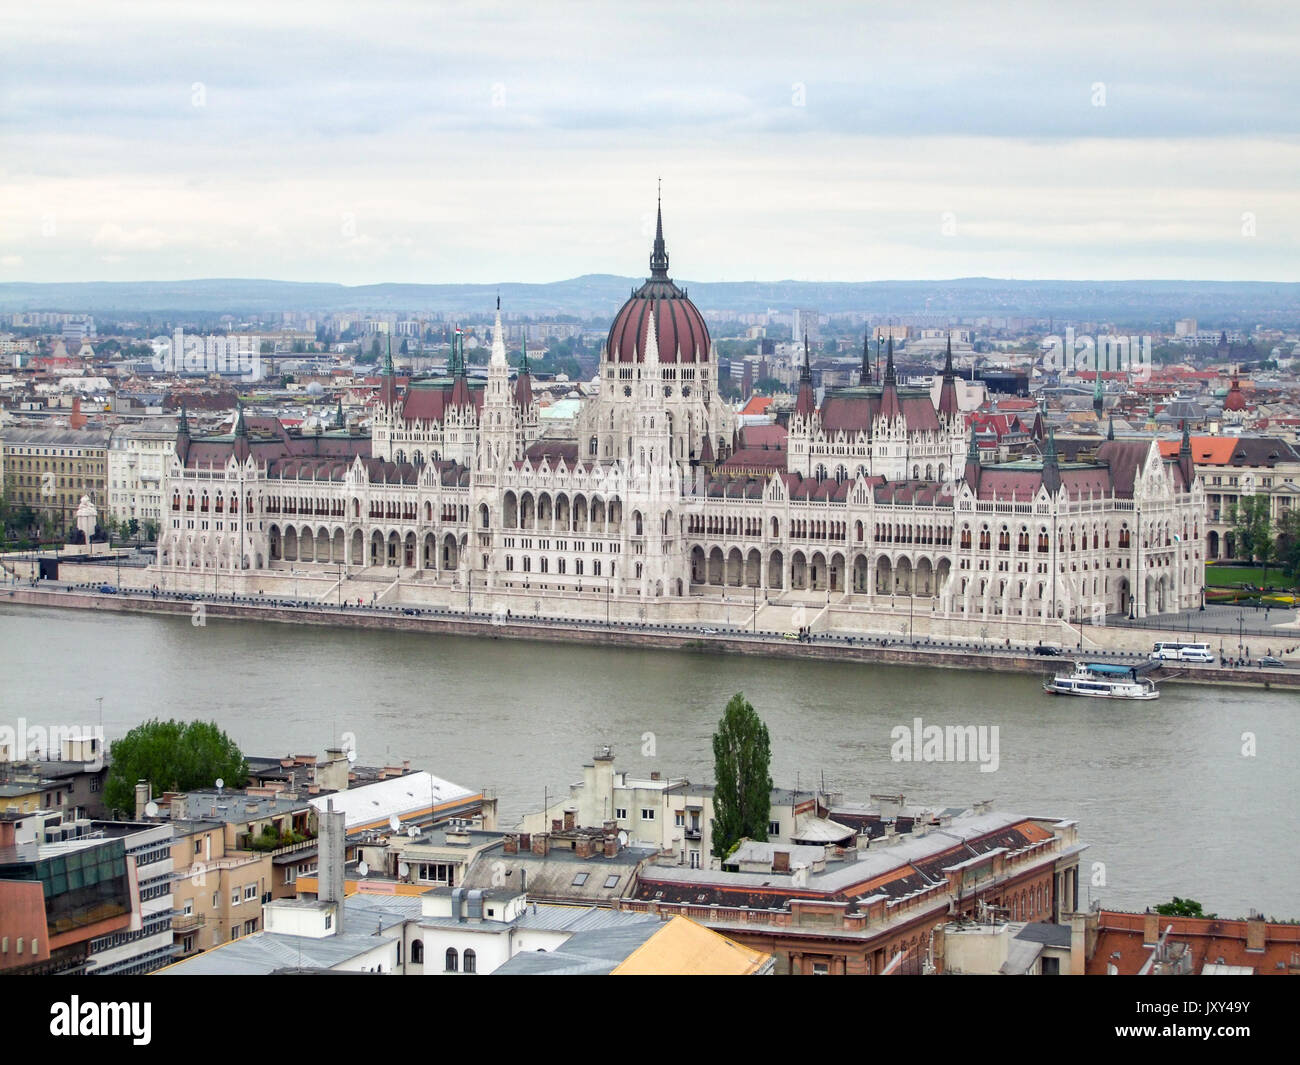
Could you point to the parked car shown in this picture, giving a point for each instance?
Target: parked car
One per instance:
(1271, 662)
(108, 589)
(709, 632)
(1047, 649)
(789, 636)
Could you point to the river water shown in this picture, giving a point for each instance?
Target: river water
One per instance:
(1162, 790)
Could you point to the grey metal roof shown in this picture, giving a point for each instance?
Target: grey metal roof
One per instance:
(265, 952)
(594, 953)
(871, 863)
(1051, 935)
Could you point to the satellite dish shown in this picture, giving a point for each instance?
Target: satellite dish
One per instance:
(403, 869)
(622, 838)
(395, 823)
(151, 809)
(362, 868)
(220, 783)
(352, 756)
(413, 832)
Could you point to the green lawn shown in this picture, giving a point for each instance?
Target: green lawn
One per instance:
(1235, 576)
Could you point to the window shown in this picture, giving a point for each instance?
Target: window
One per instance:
(579, 879)
(679, 819)
(250, 892)
(452, 965)
(189, 907)
(612, 881)
(620, 814)
(647, 814)
(234, 897)
(471, 962)
(417, 952)
(774, 828)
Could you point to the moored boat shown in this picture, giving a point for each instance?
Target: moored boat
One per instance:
(1101, 680)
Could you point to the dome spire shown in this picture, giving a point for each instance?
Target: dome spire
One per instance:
(659, 257)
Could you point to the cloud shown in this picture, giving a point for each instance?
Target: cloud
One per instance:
(492, 140)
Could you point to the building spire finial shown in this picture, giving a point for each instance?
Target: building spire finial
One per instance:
(659, 256)
(866, 356)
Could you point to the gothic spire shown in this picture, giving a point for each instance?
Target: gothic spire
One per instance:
(866, 357)
(947, 360)
(659, 257)
(890, 377)
(1110, 426)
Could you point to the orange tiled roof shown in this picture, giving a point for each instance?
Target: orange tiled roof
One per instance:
(1216, 450)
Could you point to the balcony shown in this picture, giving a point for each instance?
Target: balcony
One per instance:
(184, 922)
(693, 832)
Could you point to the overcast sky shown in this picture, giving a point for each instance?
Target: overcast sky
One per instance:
(481, 142)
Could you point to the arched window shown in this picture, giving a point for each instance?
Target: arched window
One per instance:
(471, 962)
(593, 448)
(417, 952)
(452, 960)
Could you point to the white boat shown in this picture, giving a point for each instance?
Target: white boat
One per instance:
(1099, 680)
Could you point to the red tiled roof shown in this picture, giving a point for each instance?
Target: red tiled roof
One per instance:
(1208, 939)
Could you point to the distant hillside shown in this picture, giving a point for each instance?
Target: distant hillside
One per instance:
(1213, 303)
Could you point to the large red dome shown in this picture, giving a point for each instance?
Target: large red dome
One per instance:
(682, 334)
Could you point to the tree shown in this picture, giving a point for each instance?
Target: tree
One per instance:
(172, 756)
(1288, 542)
(1182, 908)
(742, 796)
(1252, 529)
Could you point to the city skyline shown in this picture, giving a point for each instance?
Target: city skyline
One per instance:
(496, 143)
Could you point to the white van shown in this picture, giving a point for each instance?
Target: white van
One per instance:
(1182, 652)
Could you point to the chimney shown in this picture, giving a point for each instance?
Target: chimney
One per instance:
(570, 817)
(556, 824)
(143, 793)
(525, 841)
(511, 845)
(611, 828)
(611, 846)
(331, 773)
(1256, 932)
(8, 831)
(780, 861)
(654, 775)
(1151, 930)
(333, 853)
(541, 843)
(585, 847)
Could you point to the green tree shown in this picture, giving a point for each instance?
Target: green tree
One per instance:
(1252, 530)
(742, 796)
(172, 756)
(1288, 542)
(1182, 908)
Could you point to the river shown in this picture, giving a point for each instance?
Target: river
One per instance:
(1162, 790)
